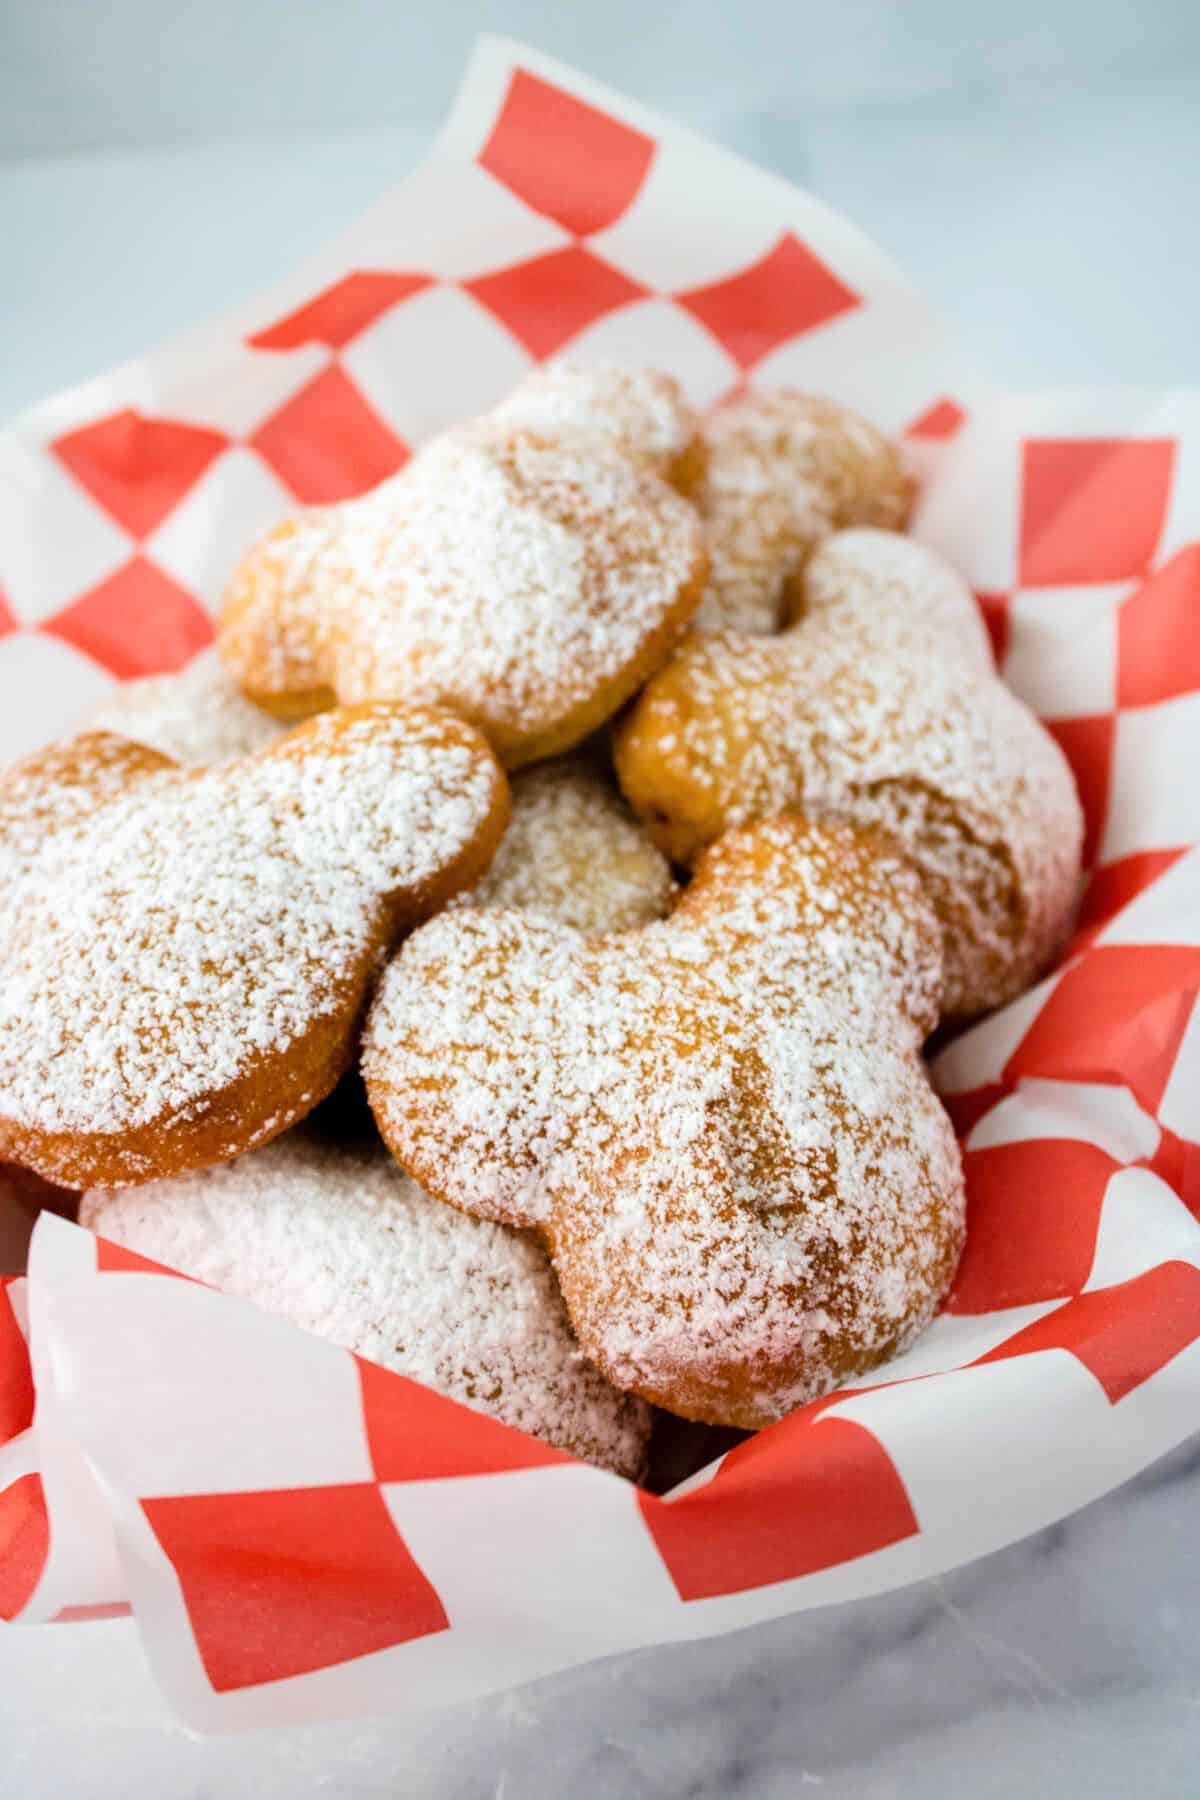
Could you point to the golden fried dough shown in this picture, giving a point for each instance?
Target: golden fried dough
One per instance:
(879, 705)
(719, 1124)
(532, 586)
(185, 953)
(783, 470)
(342, 1243)
(198, 715)
(641, 411)
(574, 853)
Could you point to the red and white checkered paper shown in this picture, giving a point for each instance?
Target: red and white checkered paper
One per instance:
(301, 1534)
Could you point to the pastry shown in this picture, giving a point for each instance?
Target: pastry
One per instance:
(574, 852)
(783, 470)
(185, 953)
(341, 1243)
(531, 586)
(199, 715)
(719, 1124)
(640, 411)
(879, 705)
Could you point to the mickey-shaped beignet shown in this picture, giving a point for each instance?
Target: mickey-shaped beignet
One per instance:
(641, 411)
(185, 953)
(530, 585)
(880, 705)
(783, 470)
(720, 1124)
(198, 715)
(338, 1240)
(574, 853)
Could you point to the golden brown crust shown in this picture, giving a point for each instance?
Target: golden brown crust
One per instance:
(687, 468)
(185, 954)
(643, 412)
(784, 470)
(879, 705)
(574, 852)
(64, 782)
(530, 584)
(720, 1124)
(274, 1091)
(277, 669)
(516, 750)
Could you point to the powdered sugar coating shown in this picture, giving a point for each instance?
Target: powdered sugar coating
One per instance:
(341, 1243)
(642, 412)
(574, 853)
(880, 705)
(529, 585)
(60, 786)
(785, 469)
(199, 715)
(720, 1122)
(165, 932)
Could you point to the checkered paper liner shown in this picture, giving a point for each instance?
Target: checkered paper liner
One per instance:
(301, 1534)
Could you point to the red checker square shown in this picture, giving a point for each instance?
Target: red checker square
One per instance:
(16, 1375)
(1033, 1211)
(1112, 888)
(968, 1107)
(24, 1542)
(1092, 509)
(566, 159)
(417, 1435)
(550, 299)
(994, 608)
(807, 1494)
(282, 1582)
(1116, 1016)
(1087, 745)
(327, 443)
(117, 1259)
(787, 292)
(340, 312)
(138, 469)
(1158, 634)
(137, 622)
(80, 1615)
(1121, 1334)
(939, 421)
(1177, 1162)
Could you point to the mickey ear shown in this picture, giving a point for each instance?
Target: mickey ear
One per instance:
(268, 634)
(409, 798)
(64, 782)
(802, 896)
(461, 1056)
(895, 579)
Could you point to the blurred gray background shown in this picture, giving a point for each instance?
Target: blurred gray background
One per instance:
(1034, 165)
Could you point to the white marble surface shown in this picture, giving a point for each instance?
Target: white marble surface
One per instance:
(1066, 1666)
(1044, 195)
